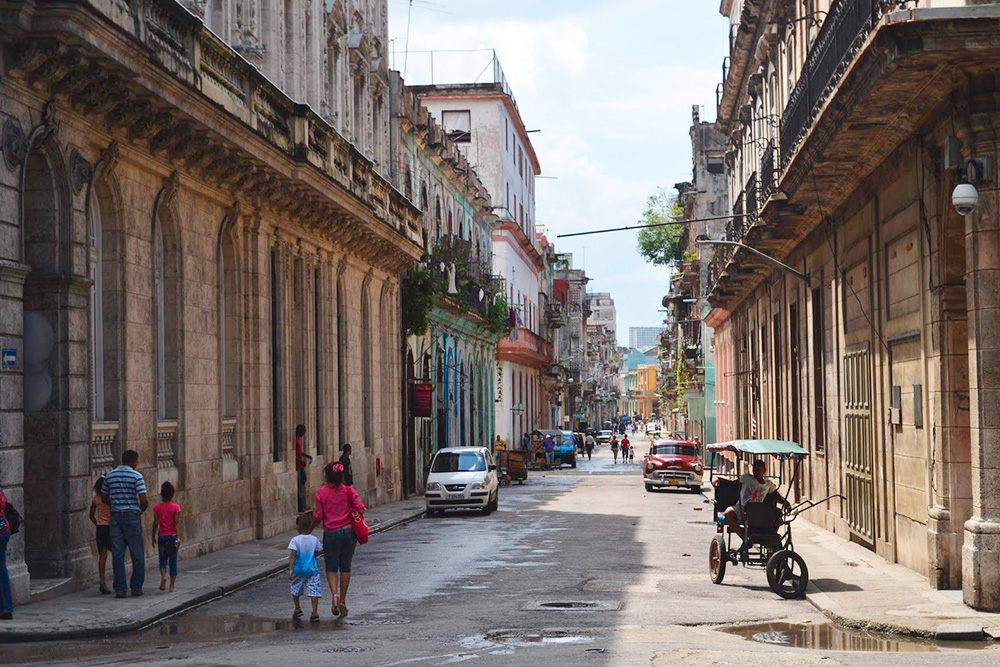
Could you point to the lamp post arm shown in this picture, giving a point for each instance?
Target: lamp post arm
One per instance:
(767, 258)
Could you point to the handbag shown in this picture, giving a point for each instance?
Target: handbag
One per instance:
(360, 528)
(13, 519)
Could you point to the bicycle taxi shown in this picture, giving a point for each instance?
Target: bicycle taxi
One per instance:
(767, 525)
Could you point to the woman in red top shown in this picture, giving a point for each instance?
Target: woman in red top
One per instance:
(6, 598)
(166, 537)
(335, 501)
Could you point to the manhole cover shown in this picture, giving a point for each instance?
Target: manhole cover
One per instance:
(345, 649)
(378, 621)
(573, 605)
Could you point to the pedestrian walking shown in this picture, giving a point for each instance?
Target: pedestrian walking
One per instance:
(124, 490)
(589, 445)
(166, 537)
(100, 516)
(549, 446)
(614, 448)
(345, 460)
(631, 453)
(335, 502)
(301, 461)
(626, 449)
(303, 571)
(6, 595)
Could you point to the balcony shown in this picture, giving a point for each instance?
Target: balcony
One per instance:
(555, 315)
(528, 349)
(475, 287)
(103, 456)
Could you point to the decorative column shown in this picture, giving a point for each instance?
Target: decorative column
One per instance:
(981, 550)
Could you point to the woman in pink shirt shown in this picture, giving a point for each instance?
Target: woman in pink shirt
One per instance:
(166, 538)
(335, 501)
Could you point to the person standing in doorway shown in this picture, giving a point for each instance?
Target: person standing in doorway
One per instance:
(301, 461)
(345, 460)
(124, 490)
(6, 595)
(335, 502)
(100, 516)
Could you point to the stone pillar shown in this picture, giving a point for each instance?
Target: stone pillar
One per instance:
(981, 550)
(12, 276)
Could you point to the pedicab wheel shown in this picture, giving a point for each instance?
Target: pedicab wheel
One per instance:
(787, 574)
(717, 559)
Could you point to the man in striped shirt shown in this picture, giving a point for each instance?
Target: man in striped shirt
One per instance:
(125, 491)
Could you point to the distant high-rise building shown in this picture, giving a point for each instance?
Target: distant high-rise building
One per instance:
(640, 337)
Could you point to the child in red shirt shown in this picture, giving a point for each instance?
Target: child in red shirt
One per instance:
(166, 537)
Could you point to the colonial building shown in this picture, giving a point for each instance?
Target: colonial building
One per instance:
(849, 125)
(569, 304)
(453, 357)
(601, 386)
(199, 249)
(498, 147)
(689, 375)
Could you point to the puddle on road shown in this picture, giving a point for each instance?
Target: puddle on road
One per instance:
(498, 642)
(829, 637)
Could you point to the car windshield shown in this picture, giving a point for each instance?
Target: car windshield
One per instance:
(674, 450)
(605, 432)
(459, 462)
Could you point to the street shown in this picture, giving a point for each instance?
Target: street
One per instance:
(577, 565)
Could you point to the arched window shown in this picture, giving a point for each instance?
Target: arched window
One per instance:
(229, 319)
(366, 365)
(341, 361)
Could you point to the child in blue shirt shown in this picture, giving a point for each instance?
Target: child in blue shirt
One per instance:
(303, 571)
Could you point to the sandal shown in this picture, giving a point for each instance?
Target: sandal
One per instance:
(343, 609)
(314, 618)
(335, 607)
(297, 614)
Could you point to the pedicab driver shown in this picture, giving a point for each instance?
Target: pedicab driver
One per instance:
(753, 489)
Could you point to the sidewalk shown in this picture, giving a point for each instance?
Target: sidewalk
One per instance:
(88, 614)
(856, 588)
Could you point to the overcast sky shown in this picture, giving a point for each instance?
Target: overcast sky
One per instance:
(610, 84)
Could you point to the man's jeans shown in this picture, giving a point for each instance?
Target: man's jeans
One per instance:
(126, 531)
(6, 596)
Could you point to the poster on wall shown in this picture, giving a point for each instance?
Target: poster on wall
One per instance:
(421, 399)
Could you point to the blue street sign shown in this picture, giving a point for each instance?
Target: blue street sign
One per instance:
(9, 358)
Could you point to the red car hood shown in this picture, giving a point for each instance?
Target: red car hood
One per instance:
(669, 461)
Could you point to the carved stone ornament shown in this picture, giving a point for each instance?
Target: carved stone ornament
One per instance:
(108, 161)
(81, 170)
(14, 144)
(171, 186)
(49, 126)
(231, 217)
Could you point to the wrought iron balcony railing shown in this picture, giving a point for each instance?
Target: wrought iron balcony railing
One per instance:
(843, 32)
(768, 175)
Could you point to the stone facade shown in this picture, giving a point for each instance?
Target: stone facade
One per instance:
(192, 262)
(456, 354)
(602, 385)
(874, 345)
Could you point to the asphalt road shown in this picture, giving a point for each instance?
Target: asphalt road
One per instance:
(507, 590)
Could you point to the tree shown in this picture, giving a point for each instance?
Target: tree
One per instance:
(660, 246)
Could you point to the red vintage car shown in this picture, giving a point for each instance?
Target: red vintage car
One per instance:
(672, 463)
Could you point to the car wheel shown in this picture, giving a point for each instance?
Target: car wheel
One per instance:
(573, 463)
(787, 574)
(496, 502)
(696, 489)
(487, 508)
(717, 559)
(649, 487)
(431, 513)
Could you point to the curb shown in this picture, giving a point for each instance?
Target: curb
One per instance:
(196, 599)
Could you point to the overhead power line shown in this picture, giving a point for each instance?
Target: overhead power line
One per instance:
(655, 224)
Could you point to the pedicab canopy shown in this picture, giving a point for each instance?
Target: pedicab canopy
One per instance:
(780, 448)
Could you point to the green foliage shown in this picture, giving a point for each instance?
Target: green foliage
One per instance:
(660, 246)
(499, 320)
(418, 299)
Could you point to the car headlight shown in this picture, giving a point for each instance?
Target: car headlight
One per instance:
(433, 486)
(476, 485)
(697, 467)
